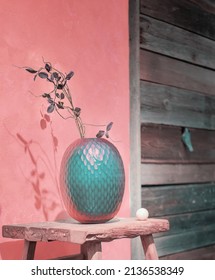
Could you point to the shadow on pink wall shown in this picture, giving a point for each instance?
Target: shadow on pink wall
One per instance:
(44, 198)
(40, 166)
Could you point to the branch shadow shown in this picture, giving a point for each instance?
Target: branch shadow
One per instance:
(40, 167)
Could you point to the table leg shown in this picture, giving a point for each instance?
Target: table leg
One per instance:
(29, 250)
(149, 247)
(92, 250)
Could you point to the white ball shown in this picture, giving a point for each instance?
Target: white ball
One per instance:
(142, 214)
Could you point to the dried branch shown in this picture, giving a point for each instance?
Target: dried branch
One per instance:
(59, 94)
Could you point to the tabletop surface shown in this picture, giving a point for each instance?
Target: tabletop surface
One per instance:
(72, 231)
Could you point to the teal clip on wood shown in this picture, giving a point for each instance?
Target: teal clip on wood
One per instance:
(186, 139)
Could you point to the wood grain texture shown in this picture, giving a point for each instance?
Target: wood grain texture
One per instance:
(190, 210)
(80, 233)
(206, 253)
(91, 251)
(29, 250)
(179, 199)
(175, 42)
(168, 71)
(162, 174)
(178, 89)
(174, 106)
(163, 144)
(183, 13)
(149, 247)
(189, 240)
(205, 5)
(181, 223)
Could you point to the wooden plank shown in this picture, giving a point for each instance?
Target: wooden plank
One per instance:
(29, 250)
(163, 144)
(134, 81)
(206, 5)
(183, 13)
(180, 223)
(92, 250)
(162, 174)
(200, 223)
(175, 42)
(206, 253)
(174, 106)
(168, 71)
(190, 240)
(179, 199)
(149, 247)
(80, 233)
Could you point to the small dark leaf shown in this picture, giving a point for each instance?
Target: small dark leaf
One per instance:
(61, 96)
(50, 108)
(55, 75)
(46, 95)
(69, 75)
(77, 111)
(52, 77)
(30, 70)
(60, 86)
(43, 75)
(60, 105)
(48, 67)
(35, 77)
(109, 126)
(100, 134)
(50, 100)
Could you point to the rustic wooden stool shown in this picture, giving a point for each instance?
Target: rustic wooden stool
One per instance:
(89, 236)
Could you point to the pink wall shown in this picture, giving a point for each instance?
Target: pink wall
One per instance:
(90, 38)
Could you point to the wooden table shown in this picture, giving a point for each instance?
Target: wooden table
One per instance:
(89, 236)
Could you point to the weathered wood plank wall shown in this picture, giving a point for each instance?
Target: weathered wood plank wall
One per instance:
(162, 144)
(165, 104)
(182, 13)
(177, 87)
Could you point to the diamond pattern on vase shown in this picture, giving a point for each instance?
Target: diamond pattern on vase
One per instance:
(92, 180)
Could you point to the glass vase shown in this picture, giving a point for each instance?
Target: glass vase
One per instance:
(92, 180)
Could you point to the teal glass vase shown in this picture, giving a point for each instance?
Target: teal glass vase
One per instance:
(92, 180)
